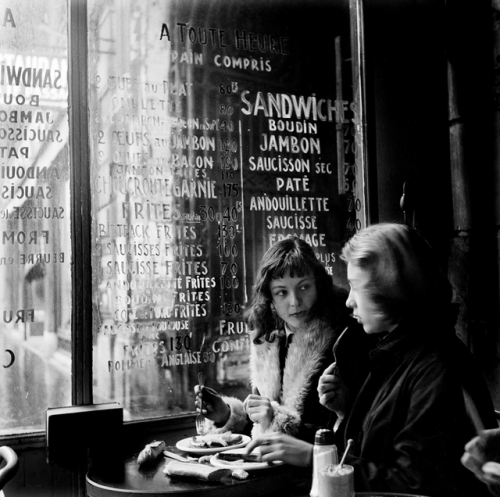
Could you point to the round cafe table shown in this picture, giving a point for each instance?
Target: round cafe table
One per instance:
(122, 476)
(126, 479)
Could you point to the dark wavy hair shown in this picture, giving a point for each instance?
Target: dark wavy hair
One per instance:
(406, 281)
(295, 256)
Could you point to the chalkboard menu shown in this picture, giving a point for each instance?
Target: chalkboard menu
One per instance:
(217, 128)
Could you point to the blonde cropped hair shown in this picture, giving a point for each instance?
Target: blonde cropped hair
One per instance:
(406, 281)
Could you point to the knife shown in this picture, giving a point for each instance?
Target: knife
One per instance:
(178, 457)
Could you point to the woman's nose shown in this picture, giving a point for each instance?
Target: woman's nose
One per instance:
(294, 299)
(350, 301)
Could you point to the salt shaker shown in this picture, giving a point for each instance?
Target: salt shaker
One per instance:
(324, 454)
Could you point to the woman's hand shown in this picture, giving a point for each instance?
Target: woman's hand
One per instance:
(482, 457)
(259, 410)
(280, 447)
(211, 405)
(332, 391)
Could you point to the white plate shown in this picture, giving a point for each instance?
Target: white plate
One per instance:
(185, 445)
(246, 466)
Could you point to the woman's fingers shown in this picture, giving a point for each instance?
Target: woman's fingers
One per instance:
(476, 448)
(471, 463)
(265, 442)
(255, 442)
(492, 469)
(259, 409)
(331, 369)
(249, 398)
(202, 399)
(332, 384)
(329, 380)
(255, 398)
(329, 401)
(280, 447)
(256, 402)
(326, 386)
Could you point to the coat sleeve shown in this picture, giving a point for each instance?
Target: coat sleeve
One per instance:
(284, 420)
(238, 421)
(424, 440)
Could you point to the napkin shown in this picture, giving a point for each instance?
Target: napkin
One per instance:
(194, 470)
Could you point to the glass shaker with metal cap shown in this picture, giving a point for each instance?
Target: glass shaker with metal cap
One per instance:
(324, 454)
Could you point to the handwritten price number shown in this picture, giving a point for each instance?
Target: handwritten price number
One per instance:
(233, 267)
(230, 190)
(353, 204)
(228, 308)
(227, 175)
(229, 88)
(353, 224)
(228, 164)
(208, 212)
(180, 342)
(229, 282)
(228, 145)
(174, 344)
(349, 140)
(227, 250)
(226, 110)
(226, 231)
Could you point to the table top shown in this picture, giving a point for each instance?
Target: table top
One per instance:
(128, 479)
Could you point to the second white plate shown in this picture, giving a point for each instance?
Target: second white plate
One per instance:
(185, 446)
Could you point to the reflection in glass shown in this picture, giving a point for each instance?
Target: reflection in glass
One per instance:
(216, 128)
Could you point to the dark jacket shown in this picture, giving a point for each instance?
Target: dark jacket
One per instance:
(409, 422)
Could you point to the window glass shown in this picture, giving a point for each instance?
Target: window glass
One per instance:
(216, 128)
(35, 255)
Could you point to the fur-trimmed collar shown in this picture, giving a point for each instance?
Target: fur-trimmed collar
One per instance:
(302, 363)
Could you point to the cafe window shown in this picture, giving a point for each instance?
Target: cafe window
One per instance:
(208, 130)
(35, 258)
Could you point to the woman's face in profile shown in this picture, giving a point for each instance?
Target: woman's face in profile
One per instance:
(293, 298)
(364, 310)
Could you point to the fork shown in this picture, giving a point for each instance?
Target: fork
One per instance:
(200, 419)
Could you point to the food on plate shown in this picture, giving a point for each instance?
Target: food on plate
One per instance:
(238, 457)
(215, 440)
(204, 459)
(240, 474)
(151, 452)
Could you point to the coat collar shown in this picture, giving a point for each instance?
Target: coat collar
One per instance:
(304, 360)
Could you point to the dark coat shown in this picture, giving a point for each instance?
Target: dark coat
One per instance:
(409, 422)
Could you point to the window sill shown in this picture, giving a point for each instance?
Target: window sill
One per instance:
(132, 430)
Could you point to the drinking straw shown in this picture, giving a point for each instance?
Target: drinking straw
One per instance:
(473, 412)
(349, 443)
